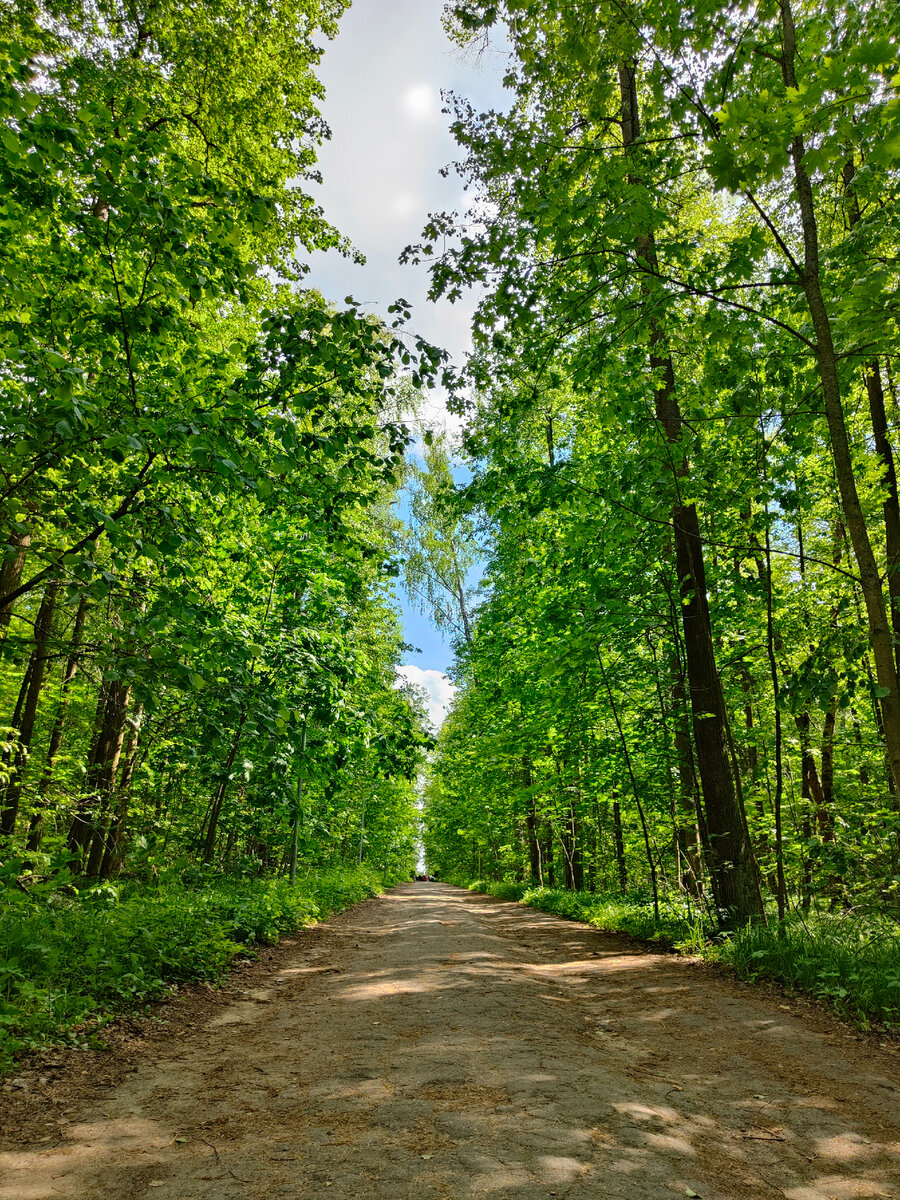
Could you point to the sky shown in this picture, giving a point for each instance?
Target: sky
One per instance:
(383, 75)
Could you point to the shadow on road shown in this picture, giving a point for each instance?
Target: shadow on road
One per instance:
(440, 1044)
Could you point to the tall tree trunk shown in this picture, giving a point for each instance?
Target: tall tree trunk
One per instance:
(111, 863)
(531, 826)
(14, 724)
(82, 821)
(781, 889)
(884, 450)
(548, 857)
(209, 842)
(731, 856)
(812, 783)
(14, 554)
(42, 632)
(620, 847)
(826, 360)
(106, 764)
(36, 829)
(634, 786)
(891, 505)
(463, 610)
(298, 808)
(689, 841)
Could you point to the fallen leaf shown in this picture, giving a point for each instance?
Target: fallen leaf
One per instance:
(691, 1192)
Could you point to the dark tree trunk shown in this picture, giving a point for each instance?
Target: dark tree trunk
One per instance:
(880, 634)
(36, 829)
(731, 856)
(549, 858)
(534, 847)
(15, 722)
(690, 868)
(781, 888)
(820, 801)
(209, 842)
(620, 848)
(531, 826)
(82, 822)
(13, 561)
(884, 450)
(111, 863)
(106, 763)
(577, 852)
(37, 670)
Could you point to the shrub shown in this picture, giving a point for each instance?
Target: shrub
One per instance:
(70, 959)
(849, 960)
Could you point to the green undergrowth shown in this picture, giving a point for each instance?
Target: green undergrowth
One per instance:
(70, 960)
(849, 960)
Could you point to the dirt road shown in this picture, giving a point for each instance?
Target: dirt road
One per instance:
(433, 1043)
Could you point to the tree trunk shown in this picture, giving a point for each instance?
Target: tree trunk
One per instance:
(891, 506)
(14, 724)
(620, 848)
(812, 783)
(11, 572)
(209, 843)
(548, 857)
(690, 860)
(298, 804)
(106, 763)
(731, 862)
(80, 828)
(577, 854)
(36, 829)
(781, 889)
(111, 863)
(826, 360)
(534, 845)
(42, 631)
(884, 450)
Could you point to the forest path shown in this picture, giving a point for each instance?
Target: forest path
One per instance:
(433, 1043)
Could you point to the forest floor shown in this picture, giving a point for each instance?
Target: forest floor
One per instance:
(434, 1043)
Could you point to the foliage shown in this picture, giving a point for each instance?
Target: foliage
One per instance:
(680, 425)
(198, 458)
(72, 961)
(848, 960)
(198, 462)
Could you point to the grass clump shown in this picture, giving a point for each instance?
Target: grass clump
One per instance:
(71, 960)
(852, 961)
(503, 890)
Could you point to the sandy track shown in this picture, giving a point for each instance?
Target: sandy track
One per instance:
(433, 1043)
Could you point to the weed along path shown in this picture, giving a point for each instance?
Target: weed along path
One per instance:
(433, 1043)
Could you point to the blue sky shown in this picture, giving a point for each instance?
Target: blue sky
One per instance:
(384, 75)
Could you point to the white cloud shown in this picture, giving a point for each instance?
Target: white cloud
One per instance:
(383, 76)
(438, 687)
(421, 104)
(405, 204)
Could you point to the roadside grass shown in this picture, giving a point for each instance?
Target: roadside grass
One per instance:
(70, 961)
(849, 960)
